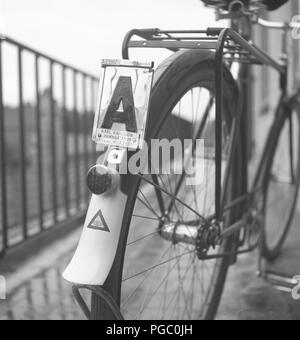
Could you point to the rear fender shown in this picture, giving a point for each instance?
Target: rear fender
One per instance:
(97, 247)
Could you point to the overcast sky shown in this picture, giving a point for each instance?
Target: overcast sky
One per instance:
(81, 32)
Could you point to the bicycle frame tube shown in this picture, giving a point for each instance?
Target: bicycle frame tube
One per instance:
(264, 59)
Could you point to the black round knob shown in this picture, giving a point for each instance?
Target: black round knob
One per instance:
(99, 179)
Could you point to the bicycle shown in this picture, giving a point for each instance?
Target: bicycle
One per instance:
(166, 252)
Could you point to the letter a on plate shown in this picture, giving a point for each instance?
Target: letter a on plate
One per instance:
(99, 223)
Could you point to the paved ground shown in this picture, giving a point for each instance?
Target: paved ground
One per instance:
(36, 290)
(248, 297)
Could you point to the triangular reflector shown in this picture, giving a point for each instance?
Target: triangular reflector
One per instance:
(99, 223)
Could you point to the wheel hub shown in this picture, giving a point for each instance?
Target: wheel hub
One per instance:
(203, 237)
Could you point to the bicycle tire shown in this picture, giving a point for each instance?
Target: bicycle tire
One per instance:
(181, 71)
(273, 237)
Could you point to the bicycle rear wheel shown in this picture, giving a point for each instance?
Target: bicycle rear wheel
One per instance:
(153, 278)
(281, 181)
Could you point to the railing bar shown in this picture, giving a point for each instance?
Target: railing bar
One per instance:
(4, 228)
(39, 145)
(66, 153)
(91, 98)
(22, 146)
(44, 56)
(94, 84)
(85, 131)
(53, 146)
(76, 141)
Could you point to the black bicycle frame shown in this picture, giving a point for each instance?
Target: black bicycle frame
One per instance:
(229, 46)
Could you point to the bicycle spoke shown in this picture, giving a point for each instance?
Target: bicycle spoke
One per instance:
(180, 281)
(148, 274)
(163, 281)
(147, 204)
(142, 238)
(171, 195)
(146, 218)
(159, 195)
(160, 285)
(158, 265)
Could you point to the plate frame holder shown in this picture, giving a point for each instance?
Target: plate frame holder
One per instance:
(113, 136)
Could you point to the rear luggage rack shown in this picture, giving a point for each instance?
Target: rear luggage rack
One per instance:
(235, 48)
(228, 45)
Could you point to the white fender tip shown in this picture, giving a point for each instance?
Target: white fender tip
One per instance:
(98, 244)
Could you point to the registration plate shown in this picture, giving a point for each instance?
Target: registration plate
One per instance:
(124, 95)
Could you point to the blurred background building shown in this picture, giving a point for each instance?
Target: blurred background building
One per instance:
(266, 90)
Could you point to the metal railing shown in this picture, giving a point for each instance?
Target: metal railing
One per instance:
(42, 188)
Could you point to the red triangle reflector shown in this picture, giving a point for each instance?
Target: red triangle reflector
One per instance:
(99, 223)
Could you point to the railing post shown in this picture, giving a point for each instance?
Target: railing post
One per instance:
(94, 152)
(85, 130)
(76, 141)
(22, 145)
(53, 145)
(3, 162)
(39, 145)
(65, 137)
